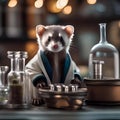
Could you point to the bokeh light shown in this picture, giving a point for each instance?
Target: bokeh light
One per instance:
(91, 1)
(61, 4)
(12, 3)
(38, 3)
(67, 10)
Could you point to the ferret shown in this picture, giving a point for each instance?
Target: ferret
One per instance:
(53, 62)
(55, 41)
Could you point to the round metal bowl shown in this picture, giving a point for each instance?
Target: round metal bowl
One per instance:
(63, 100)
(106, 91)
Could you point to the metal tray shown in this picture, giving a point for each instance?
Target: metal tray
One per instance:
(64, 100)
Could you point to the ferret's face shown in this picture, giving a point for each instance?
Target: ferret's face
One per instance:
(54, 38)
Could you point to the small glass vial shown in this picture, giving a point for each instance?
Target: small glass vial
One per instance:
(3, 86)
(52, 88)
(66, 88)
(97, 69)
(58, 88)
(104, 51)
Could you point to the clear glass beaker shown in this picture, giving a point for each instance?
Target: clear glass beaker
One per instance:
(3, 85)
(104, 51)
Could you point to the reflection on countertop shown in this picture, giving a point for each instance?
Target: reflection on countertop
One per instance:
(44, 113)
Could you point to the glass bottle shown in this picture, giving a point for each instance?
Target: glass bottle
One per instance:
(106, 52)
(18, 88)
(13, 81)
(3, 85)
(24, 77)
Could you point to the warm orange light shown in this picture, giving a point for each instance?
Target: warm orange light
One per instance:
(31, 48)
(67, 10)
(38, 3)
(12, 3)
(61, 4)
(31, 33)
(51, 6)
(91, 1)
(119, 24)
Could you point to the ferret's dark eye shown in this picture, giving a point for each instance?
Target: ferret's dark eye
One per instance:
(49, 39)
(61, 38)
(62, 41)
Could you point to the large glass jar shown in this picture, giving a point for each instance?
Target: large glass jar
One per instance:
(106, 52)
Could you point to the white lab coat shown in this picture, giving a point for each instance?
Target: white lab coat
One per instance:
(36, 67)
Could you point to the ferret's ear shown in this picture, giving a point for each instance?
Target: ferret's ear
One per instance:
(69, 29)
(40, 29)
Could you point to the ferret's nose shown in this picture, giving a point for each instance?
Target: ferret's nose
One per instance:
(55, 46)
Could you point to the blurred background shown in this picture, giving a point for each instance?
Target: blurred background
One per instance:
(18, 20)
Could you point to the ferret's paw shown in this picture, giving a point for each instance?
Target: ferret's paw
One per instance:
(77, 81)
(80, 84)
(41, 85)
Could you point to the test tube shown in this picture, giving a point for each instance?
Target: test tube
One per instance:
(97, 69)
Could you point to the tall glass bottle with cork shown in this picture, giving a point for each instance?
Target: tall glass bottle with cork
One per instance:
(107, 53)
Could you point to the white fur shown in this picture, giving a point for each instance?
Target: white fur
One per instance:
(63, 33)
